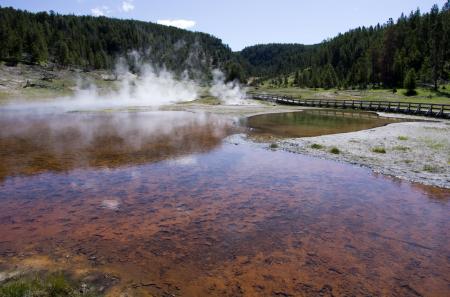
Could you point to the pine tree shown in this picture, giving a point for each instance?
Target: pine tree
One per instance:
(296, 79)
(62, 53)
(38, 47)
(234, 72)
(329, 79)
(306, 75)
(388, 53)
(410, 82)
(435, 44)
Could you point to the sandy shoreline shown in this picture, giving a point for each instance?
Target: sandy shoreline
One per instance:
(414, 151)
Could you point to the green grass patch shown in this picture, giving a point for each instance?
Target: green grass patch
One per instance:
(424, 95)
(433, 144)
(335, 150)
(401, 148)
(402, 138)
(431, 168)
(41, 285)
(379, 150)
(316, 146)
(208, 100)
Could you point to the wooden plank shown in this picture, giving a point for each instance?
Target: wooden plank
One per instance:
(432, 110)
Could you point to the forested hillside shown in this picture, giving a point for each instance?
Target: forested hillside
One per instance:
(416, 47)
(96, 42)
(417, 44)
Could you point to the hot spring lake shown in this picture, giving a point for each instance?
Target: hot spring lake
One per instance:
(169, 206)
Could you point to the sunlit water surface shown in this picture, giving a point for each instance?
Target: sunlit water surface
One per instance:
(314, 122)
(159, 200)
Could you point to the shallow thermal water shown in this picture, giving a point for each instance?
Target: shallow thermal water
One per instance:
(309, 123)
(171, 209)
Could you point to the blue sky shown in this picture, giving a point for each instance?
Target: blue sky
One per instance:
(240, 23)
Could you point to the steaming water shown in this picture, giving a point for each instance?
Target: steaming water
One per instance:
(160, 201)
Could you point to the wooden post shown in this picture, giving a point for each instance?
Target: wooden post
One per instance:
(419, 107)
(430, 110)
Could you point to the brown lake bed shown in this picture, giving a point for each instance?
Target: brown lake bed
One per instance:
(161, 204)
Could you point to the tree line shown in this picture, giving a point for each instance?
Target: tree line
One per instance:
(97, 42)
(416, 45)
(414, 48)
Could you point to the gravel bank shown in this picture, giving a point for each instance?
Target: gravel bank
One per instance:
(413, 151)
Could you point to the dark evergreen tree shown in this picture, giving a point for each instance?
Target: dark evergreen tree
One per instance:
(296, 82)
(234, 72)
(62, 53)
(436, 44)
(410, 82)
(38, 47)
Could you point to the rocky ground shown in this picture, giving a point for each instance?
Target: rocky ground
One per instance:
(413, 151)
(37, 82)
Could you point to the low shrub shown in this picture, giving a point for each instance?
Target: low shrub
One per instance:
(316, 146)
(379, 150)
(431, 168)
(335, 150)
(401, 148)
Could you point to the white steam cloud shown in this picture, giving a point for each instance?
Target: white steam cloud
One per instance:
(151, 87)
(147, 86)
(229, 93)
(182, 24)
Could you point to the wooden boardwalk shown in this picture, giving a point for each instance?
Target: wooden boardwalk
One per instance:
(423, 109)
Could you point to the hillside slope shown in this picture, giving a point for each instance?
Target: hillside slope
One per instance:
(376, 55)
(97, 42)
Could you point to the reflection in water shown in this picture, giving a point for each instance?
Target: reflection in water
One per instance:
(60, 142)
(232, 221)
(309, 123)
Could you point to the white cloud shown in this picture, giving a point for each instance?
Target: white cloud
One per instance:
(100, 11)
(127, 5)
(182, 24)
(184, 161)
(112, 204)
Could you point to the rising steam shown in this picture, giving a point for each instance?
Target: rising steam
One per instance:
(144, 86)
(228, 92)
(148, 86)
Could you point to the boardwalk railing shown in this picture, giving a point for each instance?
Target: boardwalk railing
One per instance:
(423, 109)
